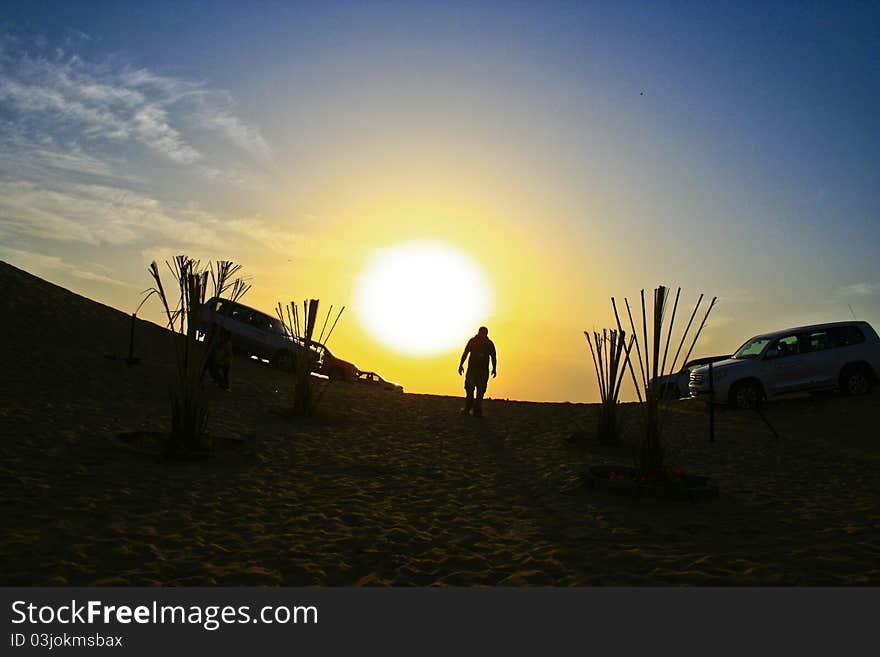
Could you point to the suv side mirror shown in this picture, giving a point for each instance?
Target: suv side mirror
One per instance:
(771, 354)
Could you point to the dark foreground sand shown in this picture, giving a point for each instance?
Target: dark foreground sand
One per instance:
(394, 489)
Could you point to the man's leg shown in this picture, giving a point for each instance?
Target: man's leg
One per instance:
(469, 386)
(478, 404)
(468, 400)
(481, 390)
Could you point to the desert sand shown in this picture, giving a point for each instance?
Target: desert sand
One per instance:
(388, 489)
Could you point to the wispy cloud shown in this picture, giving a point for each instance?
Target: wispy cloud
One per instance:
(104, 214)
(718, 321)
(151, 126)
(34, 157)
(860, 289)
(87, 149)
(100, 102)
(26, 209)
(48, 266)
(218, 117)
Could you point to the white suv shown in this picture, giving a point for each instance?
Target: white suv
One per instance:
(842, 355)
(254, 333)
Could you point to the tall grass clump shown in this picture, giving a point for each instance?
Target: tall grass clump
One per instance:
(301, 327)
(225, 282)
(610, 354)
(183, 303)
(652, 359)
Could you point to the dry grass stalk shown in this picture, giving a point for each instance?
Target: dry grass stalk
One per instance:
(225, 286)
(302, 330)
(610, 354)
(651, 453)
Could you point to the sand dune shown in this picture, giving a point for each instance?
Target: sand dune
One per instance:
(394, 489)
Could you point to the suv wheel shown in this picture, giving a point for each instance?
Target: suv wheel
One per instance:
(284, 360)
(745, 395)
(855, 380)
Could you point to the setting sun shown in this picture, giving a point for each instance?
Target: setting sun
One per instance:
(422, 298)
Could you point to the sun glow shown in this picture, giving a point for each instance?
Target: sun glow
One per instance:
(422, 298)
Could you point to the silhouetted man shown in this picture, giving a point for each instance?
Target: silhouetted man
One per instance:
(481, 349)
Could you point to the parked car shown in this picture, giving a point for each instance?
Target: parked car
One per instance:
(373, 379)
(255, 333)
(334, 368)
(839, 355)
(676, 384)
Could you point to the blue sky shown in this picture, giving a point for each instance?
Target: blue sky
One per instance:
(732, 148)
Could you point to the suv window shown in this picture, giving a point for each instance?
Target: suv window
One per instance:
(847, 335)
(262, 322)
(788, 346)
(238, 313)
(752, 348)
(218, 306)
(818, 341)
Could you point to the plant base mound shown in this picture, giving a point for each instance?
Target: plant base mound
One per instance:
(626, 480)
(155, 444)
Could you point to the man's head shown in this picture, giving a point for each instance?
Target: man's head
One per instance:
(483, 331)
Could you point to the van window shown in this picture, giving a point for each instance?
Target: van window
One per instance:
(847, 335)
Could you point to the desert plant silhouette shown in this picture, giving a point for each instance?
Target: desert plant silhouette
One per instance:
(651, 452)
(610, 354)
(301, 327)
(189, 408)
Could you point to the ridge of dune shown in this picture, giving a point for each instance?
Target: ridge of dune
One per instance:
(36, 311)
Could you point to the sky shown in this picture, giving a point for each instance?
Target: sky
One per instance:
(573, 151)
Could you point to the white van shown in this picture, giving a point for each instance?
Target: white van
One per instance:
(839, 355)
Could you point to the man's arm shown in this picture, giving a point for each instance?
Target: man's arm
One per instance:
(464, 354)
(494, 360)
